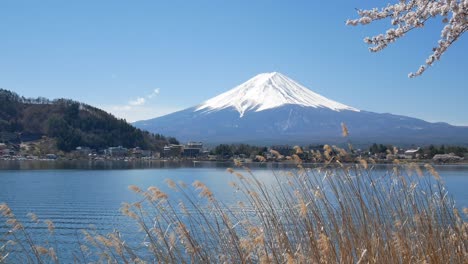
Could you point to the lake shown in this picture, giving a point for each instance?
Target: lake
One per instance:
(85, 195)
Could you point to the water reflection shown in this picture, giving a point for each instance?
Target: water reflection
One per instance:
(135, 164)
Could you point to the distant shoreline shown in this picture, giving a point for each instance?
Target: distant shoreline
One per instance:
(83, 164)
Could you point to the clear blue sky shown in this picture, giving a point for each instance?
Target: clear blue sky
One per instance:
(110, 53)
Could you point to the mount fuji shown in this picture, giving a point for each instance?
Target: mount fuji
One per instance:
(271, 108)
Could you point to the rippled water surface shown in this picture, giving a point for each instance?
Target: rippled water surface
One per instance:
(84, 196)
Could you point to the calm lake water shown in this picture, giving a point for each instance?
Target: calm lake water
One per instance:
(78, 195)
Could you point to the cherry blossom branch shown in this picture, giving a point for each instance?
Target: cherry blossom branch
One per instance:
(408, 15)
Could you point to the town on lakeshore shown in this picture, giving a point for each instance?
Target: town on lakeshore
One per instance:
(240, 152)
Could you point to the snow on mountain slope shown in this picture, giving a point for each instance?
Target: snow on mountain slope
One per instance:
(273, 109)
(267, 91)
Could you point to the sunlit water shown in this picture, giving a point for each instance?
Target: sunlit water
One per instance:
(78, 196)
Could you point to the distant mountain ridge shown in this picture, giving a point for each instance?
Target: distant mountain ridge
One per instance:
(71, 123)
(270, 108)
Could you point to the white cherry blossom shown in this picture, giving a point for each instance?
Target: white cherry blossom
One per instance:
(407, 15)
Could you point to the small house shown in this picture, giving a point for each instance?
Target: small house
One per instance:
(412, 153)
(116, 151)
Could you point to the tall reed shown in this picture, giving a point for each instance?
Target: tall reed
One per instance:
(333, 213)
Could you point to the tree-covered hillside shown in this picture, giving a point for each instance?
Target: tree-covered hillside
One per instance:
(71, 123)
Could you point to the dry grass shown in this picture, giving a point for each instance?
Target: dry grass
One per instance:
(331, 214)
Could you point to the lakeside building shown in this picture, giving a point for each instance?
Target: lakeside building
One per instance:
(7, 152)
(197, 145)
(193, 149)
(116, 151)
(83, 151)
(190, 150)
(173, 150)
(412, 153)
(140, 153)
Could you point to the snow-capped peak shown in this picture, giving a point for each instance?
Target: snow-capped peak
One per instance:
(266, 91)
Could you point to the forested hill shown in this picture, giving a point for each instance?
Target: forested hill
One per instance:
(71, 123)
